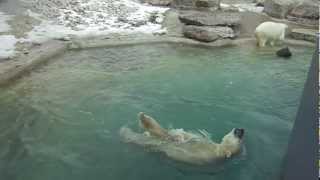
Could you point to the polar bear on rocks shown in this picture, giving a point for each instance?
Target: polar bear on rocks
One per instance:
(187, 147)
(271, 32)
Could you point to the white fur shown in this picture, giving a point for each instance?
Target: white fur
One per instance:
(180, 145)
(270, 32)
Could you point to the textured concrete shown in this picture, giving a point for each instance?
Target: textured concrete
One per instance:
(305, 34)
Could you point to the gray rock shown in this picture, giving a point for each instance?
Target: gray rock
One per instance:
(304, 34)
(207, 33)
(158, 2)
(182, 3)
(191, 4)
(306, 12)
(200, 18)
(206, 3)
(259, 3)
(279, 8)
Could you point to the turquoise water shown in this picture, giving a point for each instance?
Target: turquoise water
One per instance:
(62, 120)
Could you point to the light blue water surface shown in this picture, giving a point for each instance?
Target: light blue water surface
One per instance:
(61, 121)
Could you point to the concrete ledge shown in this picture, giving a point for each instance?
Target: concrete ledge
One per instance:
(305, 34)
(96, 42)
(13, 69)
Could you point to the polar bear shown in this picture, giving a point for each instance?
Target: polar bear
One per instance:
(182, 146)
(271, 32)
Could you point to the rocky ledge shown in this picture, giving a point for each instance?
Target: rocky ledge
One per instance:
(208, 26)
(215, 18)
(207, 33)
(300, 11)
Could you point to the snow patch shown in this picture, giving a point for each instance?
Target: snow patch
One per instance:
(61, 18)
(4, 26)
(7, 46)
(251, 7)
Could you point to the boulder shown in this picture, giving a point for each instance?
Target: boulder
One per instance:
(202, 3)
(279, 8)
(305, 34)
(215, 18)
(182, 3)
(207, 33)
(259, 3)
(191, 4)
(306, 12)
(206, 3)
(284, 52)
(158, 2)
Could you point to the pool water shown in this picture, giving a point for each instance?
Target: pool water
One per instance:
(62, 121)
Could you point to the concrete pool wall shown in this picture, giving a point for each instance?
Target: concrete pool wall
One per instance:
(43, 53)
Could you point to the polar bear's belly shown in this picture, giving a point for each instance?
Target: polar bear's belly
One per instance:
(193, 152)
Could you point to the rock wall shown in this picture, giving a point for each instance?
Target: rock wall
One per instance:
(300, 11)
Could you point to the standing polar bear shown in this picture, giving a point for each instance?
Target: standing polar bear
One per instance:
(270, 32)
(183, 146)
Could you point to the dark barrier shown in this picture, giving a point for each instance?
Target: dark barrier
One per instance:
(301, 162)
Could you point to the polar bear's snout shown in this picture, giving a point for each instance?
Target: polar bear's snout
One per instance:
(238, 132)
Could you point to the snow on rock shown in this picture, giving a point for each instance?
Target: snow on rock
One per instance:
(93, 17)
(7, 46)
(251, 7)
(4, 27)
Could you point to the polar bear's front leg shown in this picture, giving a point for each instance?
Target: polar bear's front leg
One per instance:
(262, 42)
(272, 42)
(152, 126)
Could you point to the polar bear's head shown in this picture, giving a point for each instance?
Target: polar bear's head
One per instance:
(231, 143)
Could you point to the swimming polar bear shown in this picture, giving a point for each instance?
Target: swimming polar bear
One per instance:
(270, 32)
(183, 146)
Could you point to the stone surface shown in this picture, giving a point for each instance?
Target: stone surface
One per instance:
(158, 2)
(306, 13)
(259, 3)
(279, 8)
(207, 33)
(304, 34)
(191, 4)
(182, 3)
(200, 18)
(284, 52)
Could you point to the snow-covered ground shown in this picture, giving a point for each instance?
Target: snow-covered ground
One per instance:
(7, 46)
(66, 18)
(7, 42)
(93, 17)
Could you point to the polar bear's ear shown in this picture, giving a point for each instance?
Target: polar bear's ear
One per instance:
(228, 154)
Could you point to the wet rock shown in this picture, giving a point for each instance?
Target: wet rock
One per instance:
(207, 33)
(279, 8)
(284, 52)
(200, 18)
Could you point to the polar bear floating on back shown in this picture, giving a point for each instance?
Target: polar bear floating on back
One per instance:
(271, 32)
(183, 146)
